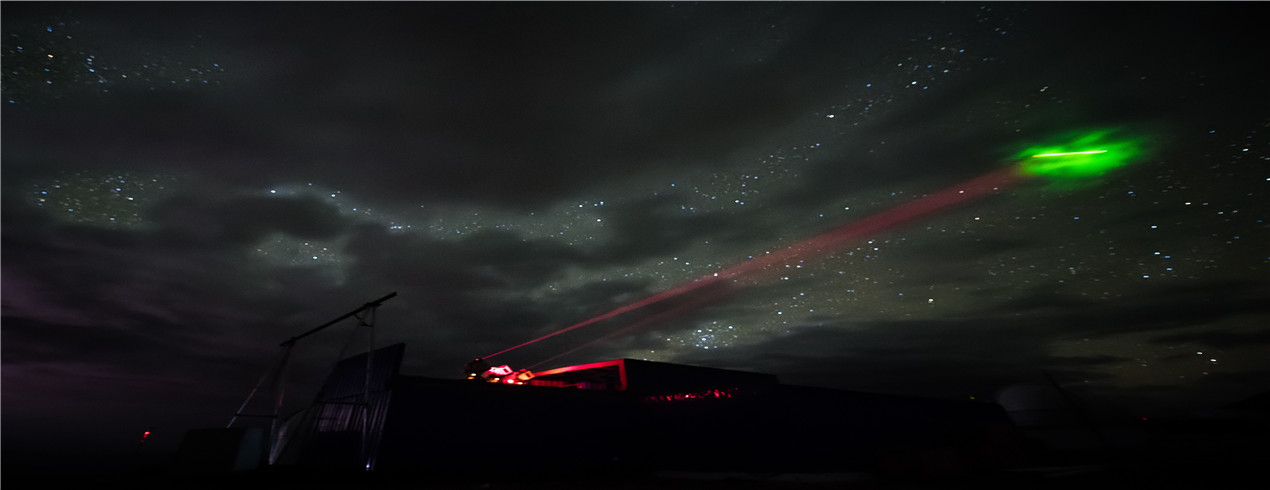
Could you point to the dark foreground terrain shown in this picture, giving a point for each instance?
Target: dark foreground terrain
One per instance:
(1181, 456)
(1180, 472)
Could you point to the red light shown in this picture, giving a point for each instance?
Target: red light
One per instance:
(715, 393)
(503, 370)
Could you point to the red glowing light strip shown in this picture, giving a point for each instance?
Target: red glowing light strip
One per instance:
(819, 245)
(620, 363)
(698, 395)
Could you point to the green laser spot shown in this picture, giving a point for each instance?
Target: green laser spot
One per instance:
(1090, 152)
(1084, 155)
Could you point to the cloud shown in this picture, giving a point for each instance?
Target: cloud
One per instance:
(241, 221)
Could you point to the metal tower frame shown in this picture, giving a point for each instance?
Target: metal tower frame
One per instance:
(277, 374)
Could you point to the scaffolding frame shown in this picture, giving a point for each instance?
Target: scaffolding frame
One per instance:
(276, 377)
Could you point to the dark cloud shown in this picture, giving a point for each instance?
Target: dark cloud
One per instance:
(1153, 309)
(245, 221)
(1220, 338)
(899, 357)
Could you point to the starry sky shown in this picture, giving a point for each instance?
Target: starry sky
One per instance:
(186, 185)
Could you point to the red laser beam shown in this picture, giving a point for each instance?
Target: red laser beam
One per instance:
(694, 303)
(819, 245)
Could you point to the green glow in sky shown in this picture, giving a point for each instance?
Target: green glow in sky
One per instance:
(1084, 155)
(1069, 153)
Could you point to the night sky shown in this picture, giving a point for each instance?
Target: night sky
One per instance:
(187, 185)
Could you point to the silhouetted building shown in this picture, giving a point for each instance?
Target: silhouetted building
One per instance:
(631, 414)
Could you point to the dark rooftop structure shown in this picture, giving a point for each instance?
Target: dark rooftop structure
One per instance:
(630, 414)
